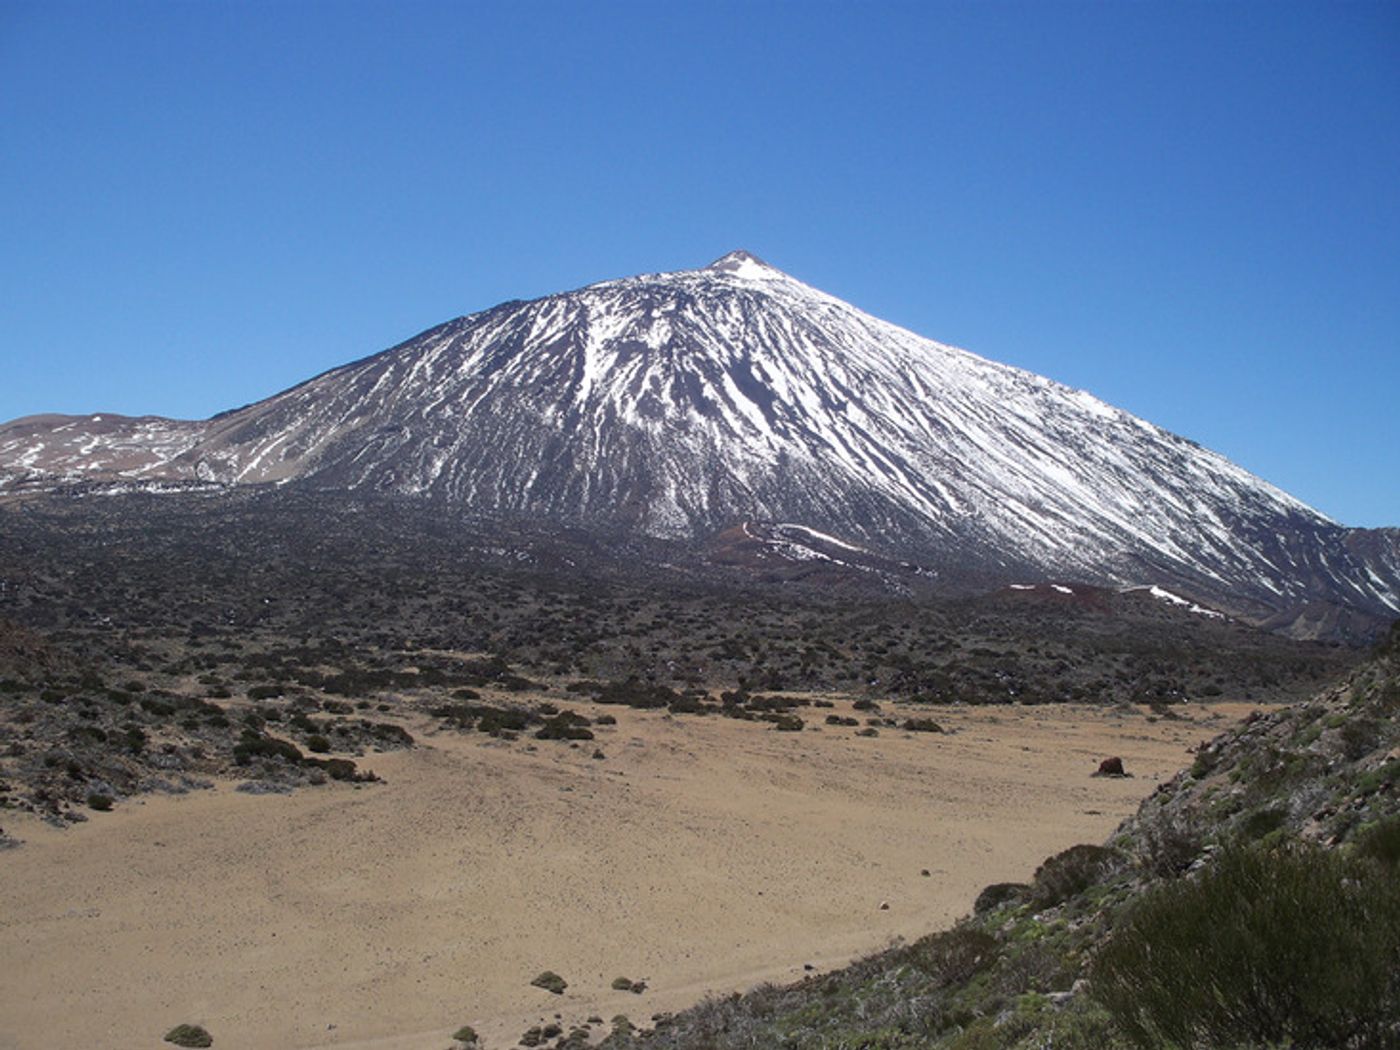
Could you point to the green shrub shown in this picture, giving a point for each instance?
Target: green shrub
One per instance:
(318, 744)
(465, 1034)
(954, 956)
(1169, 845)
(1071, 872)
(338, 769)
(1360, 736)
(1289, 945)
(997, 894)
(1381, 841)
(100, 802)
(566, 725)
(551, 982)
(254, 745)
(189, 1035)
(1263, 821)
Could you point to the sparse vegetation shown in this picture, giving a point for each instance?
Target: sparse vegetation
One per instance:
(1210, 921)
(292, 637)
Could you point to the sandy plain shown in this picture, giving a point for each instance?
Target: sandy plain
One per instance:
(703, 855)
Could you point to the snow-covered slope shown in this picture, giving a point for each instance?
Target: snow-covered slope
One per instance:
(680, 404)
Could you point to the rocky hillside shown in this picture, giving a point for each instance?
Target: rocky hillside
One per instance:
(684, 404)
(1252, 902)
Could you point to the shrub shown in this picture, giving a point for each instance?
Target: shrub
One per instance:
(1289, 945)
(997, 894)
(254, 745)
(391, 735)
(1072, 872)
(566, 725)
(1169, 846)
(189, 1035)
(338, 768)
(1381, 841)
(635, 693)
(922, 725)
(156, 707)
(551, 982)
(954, 956)
(1263, 821)
(100, 802)
(465, 1034)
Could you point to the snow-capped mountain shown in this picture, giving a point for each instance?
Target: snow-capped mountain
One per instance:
(682, 404)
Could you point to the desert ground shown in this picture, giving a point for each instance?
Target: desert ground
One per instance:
(702, 855)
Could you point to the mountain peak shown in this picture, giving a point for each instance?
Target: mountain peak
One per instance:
(741, 263)
(680, 404)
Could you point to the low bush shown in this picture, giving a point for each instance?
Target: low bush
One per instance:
(997, 894)
(1169, 846)
(954, 956)
(1072, 872)
(1284, 946)
(1380, 841)
(338, 769)
(551, 982)
(566, 725)
(254, 745)
(1263, 821)
(635, 693)
(189, 1035)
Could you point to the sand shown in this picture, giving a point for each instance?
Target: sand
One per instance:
(703, 855)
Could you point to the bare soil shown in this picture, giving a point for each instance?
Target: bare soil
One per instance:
(702, 855)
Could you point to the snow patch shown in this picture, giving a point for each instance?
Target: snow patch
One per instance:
(1162, 594)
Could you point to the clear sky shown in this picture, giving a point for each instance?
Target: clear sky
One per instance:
(1190, 210)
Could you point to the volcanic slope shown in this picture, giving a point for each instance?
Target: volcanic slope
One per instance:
(679, 404)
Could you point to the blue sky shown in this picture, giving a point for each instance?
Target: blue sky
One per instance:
(1192, 211)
